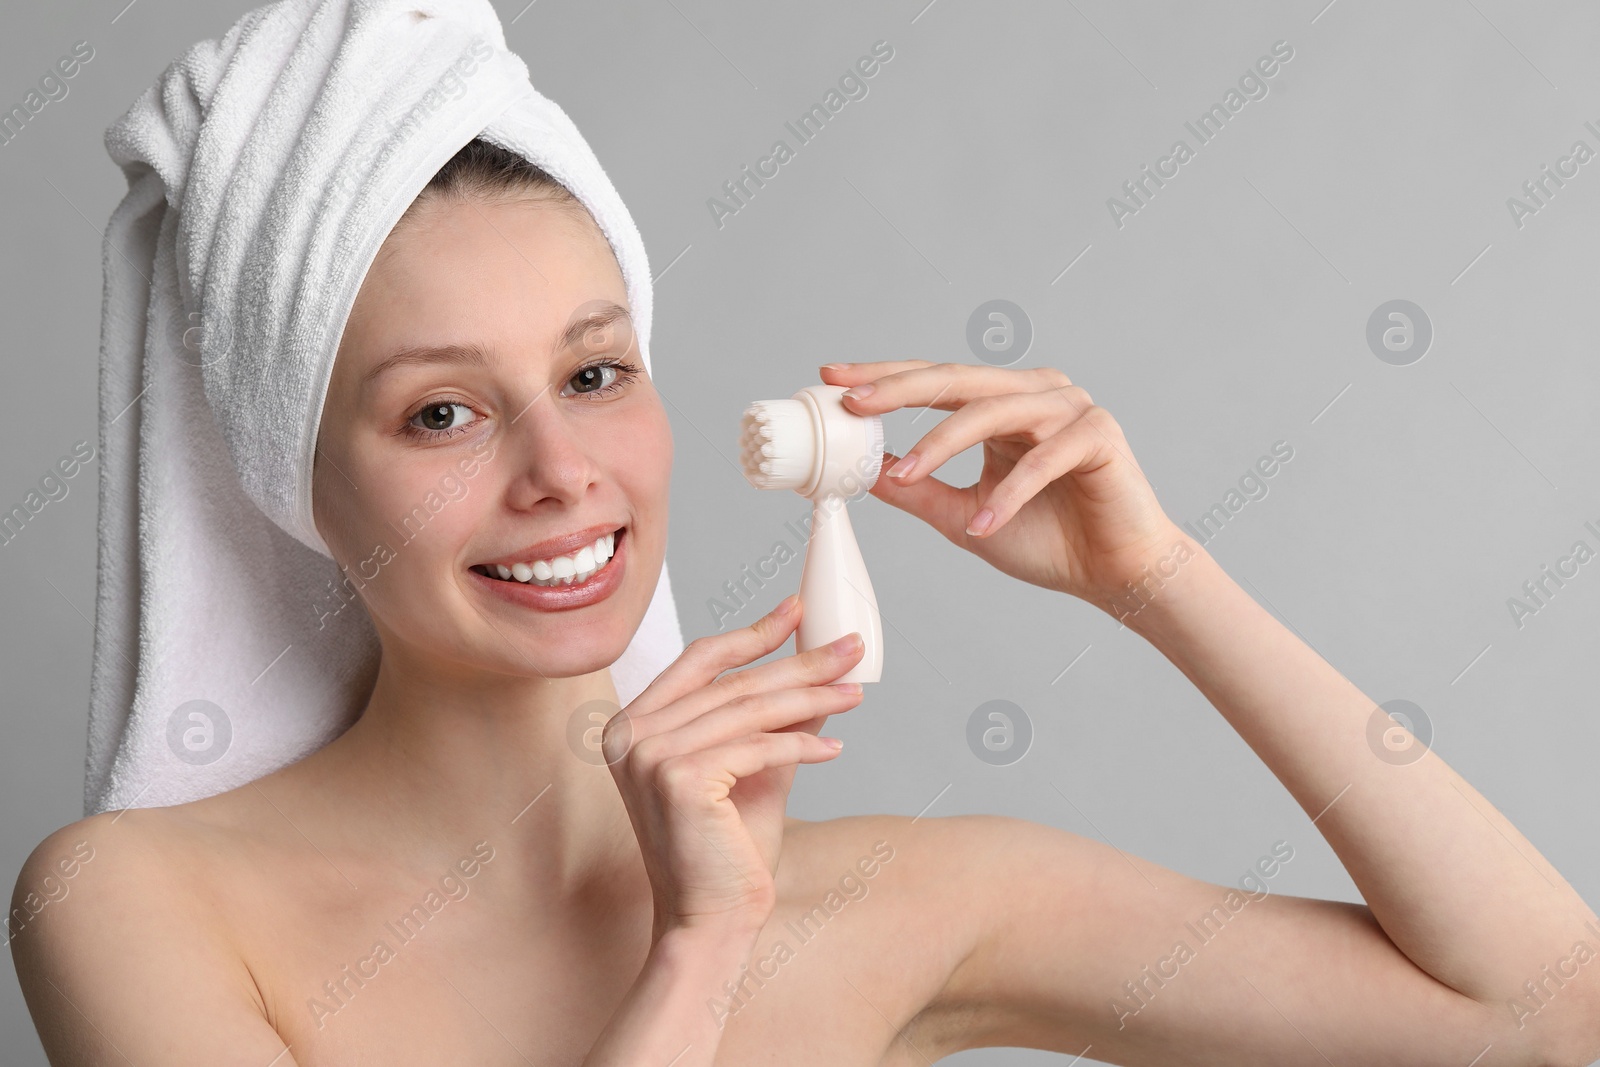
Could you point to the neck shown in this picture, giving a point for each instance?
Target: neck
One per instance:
(439, 761)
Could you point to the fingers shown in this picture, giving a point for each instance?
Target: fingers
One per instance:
(747, 716)
(1031, 416)
(1088, 443)
(852, 373)
(766, 751)
(946, 386)
(813, 667)
(706, 657)
(1080, 448)
(686, 775)
(937, 503)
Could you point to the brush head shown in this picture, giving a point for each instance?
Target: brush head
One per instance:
(872, 460)
(777, 444)
(810, 443)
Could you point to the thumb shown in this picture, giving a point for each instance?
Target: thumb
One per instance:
(939, 504)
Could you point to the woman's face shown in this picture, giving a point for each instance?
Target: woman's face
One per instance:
(431, 467)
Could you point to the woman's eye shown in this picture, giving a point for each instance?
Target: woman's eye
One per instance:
(444, 419)
(593, 379)
(606, 378)
(441, 418)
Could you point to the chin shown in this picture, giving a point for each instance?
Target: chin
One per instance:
(579, 660)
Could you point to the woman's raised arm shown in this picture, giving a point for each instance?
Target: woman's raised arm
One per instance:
(1456, 889)
(1471, 950)
(1453, 883)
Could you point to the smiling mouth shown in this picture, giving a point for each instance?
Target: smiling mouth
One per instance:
(574, 569)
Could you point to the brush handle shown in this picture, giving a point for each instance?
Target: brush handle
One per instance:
(835, 593)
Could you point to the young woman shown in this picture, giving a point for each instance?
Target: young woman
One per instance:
(452, 881)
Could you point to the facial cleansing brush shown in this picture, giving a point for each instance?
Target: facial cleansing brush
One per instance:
(810, 443)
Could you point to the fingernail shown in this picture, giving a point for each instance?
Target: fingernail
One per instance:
(852, 688)
(903, 468)
(787, 604)
(859, 392)
(846, 644)
(833, 742)
(980, 522)
(835, 366)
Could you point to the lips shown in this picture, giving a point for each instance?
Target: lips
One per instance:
(559, 597)
(572, 569)
(565, 545)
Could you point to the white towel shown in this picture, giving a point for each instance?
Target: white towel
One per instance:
(264, 169)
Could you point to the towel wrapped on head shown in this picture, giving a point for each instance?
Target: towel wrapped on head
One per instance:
(264, 171)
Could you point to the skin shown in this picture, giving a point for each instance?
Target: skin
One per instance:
(612, 901)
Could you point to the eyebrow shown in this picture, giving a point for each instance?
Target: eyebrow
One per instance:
(466, 355)
(474, 354)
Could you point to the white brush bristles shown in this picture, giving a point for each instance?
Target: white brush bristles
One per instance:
(875, 444)
(777, 444)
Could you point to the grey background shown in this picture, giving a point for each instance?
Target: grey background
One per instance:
(1228, 314)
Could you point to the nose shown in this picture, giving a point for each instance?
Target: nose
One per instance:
(549, 456)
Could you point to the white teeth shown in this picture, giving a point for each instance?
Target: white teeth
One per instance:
(562, 570)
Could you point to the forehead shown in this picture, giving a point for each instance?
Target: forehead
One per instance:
(492, 270)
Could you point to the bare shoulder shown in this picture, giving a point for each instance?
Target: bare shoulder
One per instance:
(925, 870)
(110, 915)
(99, 869)
(927, 844)
(925, 889)
(939, 862)
(165, 857)
(138, 875)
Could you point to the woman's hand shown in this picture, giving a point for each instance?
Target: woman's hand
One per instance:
(704, 764)
(1071, 510)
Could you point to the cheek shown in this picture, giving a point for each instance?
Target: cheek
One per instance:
(407, 527)
(335, 505)
(640, 456)
(401, 505)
